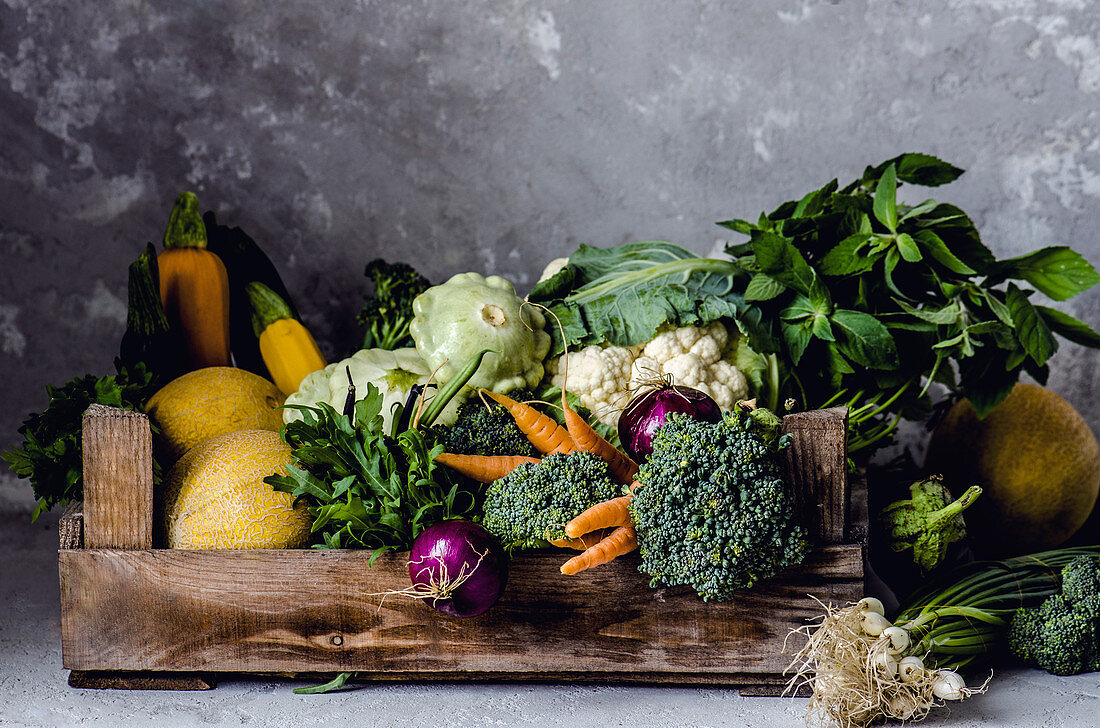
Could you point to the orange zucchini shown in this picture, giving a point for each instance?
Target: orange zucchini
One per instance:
(194, 287)
(288, 349)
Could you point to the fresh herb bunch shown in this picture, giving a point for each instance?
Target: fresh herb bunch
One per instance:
(388, 312)
(867, 300)
(364, 488)
(51, 456)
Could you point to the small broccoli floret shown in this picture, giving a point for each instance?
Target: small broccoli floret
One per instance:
(713, 511)
(388, 313)
(928, 522)
(531, 505)
(486, 428)
(1062, 635)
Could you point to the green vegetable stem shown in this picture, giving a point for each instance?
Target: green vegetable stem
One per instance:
(966, 613)
(928, 521)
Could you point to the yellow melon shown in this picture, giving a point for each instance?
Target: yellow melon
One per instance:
(1037, 461)
(215, 496)
(213, 401)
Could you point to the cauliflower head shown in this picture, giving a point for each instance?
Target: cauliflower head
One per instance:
(704, 358)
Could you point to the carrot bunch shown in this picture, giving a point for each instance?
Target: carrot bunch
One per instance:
(604, 531)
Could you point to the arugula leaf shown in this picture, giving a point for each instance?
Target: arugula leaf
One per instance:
(1057, 271)
(364, 488)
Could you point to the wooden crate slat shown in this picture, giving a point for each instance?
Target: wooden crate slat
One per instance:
(118, 478)
(302, 611)
(817, 468)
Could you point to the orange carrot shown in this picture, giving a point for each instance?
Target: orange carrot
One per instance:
(483, 468)
(544, 433)
(581, 543)
(622, 540)
(614, 512)
(622, 468)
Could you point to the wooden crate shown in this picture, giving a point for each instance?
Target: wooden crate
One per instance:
(135, 616)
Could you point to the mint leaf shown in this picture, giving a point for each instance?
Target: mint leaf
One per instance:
(863, 339)
(777, 257)
(1070, 328)
(924, 170)
(942, 316)
(1057, 271)
(885, 205)
(763, 287)
(908, 248)
(797, 337)
(845, 258)
(1031, 328)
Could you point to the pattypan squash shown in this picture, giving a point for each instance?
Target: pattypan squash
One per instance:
(455, 320)
(393, 372)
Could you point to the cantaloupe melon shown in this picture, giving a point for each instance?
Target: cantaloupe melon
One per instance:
(1037, 462)
(215, 496)
(213, 401)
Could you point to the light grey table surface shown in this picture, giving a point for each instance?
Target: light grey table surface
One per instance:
(34, 693)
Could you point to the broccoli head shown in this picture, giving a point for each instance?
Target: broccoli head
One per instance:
(486, 428)
(928, 522)
(1062, 635)
(531, 505)
(713, 510)
(388, 313)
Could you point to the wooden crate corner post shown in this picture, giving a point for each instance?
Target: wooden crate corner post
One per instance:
(118, 479)
(117, 514)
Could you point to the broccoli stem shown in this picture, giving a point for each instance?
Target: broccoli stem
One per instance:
(955, 507)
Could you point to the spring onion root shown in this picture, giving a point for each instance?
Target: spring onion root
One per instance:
(855, 663)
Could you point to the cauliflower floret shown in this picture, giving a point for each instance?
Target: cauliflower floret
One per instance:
(552, 269)
(700, 357)
(599, 376)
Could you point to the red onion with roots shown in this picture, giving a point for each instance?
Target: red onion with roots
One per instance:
(457, 568)
(649, 408)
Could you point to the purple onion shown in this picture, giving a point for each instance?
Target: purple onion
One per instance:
(647, 412)
(457, 568)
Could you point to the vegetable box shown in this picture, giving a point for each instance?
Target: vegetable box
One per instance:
(137, 616)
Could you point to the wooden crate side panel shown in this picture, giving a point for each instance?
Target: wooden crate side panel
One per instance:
(301, 611)
(117, 449)
(817, 468)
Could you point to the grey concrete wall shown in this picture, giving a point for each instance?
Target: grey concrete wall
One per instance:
(492, 136)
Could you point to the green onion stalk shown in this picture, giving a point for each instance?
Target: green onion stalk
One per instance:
(964, 615)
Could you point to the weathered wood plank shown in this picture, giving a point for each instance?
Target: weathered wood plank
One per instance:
(817, 467)
(118, 479)
(70, 529)
(300, 611)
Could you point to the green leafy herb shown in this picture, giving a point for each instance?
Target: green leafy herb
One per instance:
(899, 296)
(388, 312)
(863, 299)
(51, 456)
(364, 488)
